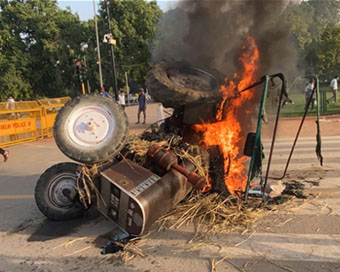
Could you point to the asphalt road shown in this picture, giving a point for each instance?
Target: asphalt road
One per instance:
(304, 237)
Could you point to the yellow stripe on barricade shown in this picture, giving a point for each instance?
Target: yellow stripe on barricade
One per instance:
(29, 120)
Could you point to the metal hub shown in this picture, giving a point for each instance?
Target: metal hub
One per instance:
(62, 190)
(90, 126)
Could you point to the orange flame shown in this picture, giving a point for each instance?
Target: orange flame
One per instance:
(226, 133)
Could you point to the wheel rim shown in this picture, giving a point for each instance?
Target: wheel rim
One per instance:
(90, 126)
(62, 190)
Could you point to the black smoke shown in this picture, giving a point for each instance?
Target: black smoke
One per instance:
(210, 33)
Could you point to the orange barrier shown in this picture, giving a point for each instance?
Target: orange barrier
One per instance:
(29, 120)
(50, 109)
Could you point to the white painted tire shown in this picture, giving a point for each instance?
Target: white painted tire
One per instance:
(91, 129)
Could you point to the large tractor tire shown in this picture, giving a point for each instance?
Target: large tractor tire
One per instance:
(177, 85)
(56, 192)
(91, 129)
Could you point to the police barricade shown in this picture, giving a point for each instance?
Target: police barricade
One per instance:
(49, 109)
(26, 121)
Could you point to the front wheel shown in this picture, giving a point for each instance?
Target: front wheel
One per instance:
(91, 129)
(56, 192)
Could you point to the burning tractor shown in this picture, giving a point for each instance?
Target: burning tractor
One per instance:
(135, 180)
(132, 180)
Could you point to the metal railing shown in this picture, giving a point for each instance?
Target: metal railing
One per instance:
(26, 121)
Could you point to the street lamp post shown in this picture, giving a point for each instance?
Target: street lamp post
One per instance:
(98, 47)
(115, 87)
(83, 47)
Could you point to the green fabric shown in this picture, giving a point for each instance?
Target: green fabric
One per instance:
(259, 156)
(318, 133)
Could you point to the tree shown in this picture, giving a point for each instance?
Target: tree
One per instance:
(13, 83)
(307, 23)
(13, 61)
(329, 52)
(134, 24)
(40, 42)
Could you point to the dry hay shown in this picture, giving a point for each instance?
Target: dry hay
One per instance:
(140, 145)
(218, 213)
(131, 249)
(87, 186)
(214, 213)
(208, 212)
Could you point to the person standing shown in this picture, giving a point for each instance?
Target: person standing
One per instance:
(10, 99)
(104, 93)
(334, 87)
(121, 99)
(11, 106)
(308, 92)
(10, 103)
(141, 105)
(4, 153)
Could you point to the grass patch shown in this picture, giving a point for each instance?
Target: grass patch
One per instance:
(297, 109)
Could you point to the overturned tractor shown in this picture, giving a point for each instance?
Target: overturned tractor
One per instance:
(132, 180)
(135, 180)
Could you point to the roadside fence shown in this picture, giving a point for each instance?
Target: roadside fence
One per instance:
(27, 121)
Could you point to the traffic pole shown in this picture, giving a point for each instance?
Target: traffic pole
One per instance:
(83, 87)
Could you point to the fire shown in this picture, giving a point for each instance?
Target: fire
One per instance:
(226, 133)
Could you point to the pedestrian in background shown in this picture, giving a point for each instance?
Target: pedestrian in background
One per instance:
(121, 99)
(10, 103)
(104, 93)
(334, 88)
(4, 153)
(11, 106)
(10, 99)
(141, 105)
(308, 92)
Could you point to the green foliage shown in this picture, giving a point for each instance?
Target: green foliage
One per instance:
(329, 51)
(298, 109)
(134, 25)
(39, 44)
(299, 20)
(37, 49)
(13, 83)
(308, 22)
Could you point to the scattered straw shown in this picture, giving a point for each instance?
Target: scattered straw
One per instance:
(86, 186)
(214, 213)
(245, 240)
(78, 251)
(66, 244)
(131, 250)
(215, 263)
